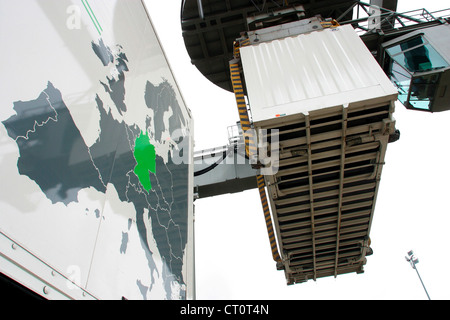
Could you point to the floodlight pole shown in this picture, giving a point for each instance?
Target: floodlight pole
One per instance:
(413, 261)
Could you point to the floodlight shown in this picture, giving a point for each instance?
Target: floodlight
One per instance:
(413, 261)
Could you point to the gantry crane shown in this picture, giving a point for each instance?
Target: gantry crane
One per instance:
(315, 85)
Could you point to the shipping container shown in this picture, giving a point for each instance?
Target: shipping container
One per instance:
(326, 102)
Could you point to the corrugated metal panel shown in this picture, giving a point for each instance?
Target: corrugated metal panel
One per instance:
(311, 71)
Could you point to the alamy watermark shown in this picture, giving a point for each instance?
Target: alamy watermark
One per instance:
(374, 21)
(73, 21)
(259, 148)
(73, 277)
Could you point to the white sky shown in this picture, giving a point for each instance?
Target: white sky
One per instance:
(233, 257)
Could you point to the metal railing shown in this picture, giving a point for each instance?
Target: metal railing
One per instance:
(369, 18)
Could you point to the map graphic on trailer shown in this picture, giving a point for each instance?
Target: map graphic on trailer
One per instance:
(122, 156)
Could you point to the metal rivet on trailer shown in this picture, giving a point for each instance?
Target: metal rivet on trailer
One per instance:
(46, 290)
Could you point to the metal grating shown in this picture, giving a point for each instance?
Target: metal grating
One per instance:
(324, 193)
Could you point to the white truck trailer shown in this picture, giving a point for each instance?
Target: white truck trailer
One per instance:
(96, 198)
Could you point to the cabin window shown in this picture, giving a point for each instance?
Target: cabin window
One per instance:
(411, 69)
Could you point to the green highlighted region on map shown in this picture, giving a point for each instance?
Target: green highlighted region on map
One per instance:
(145, 155)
